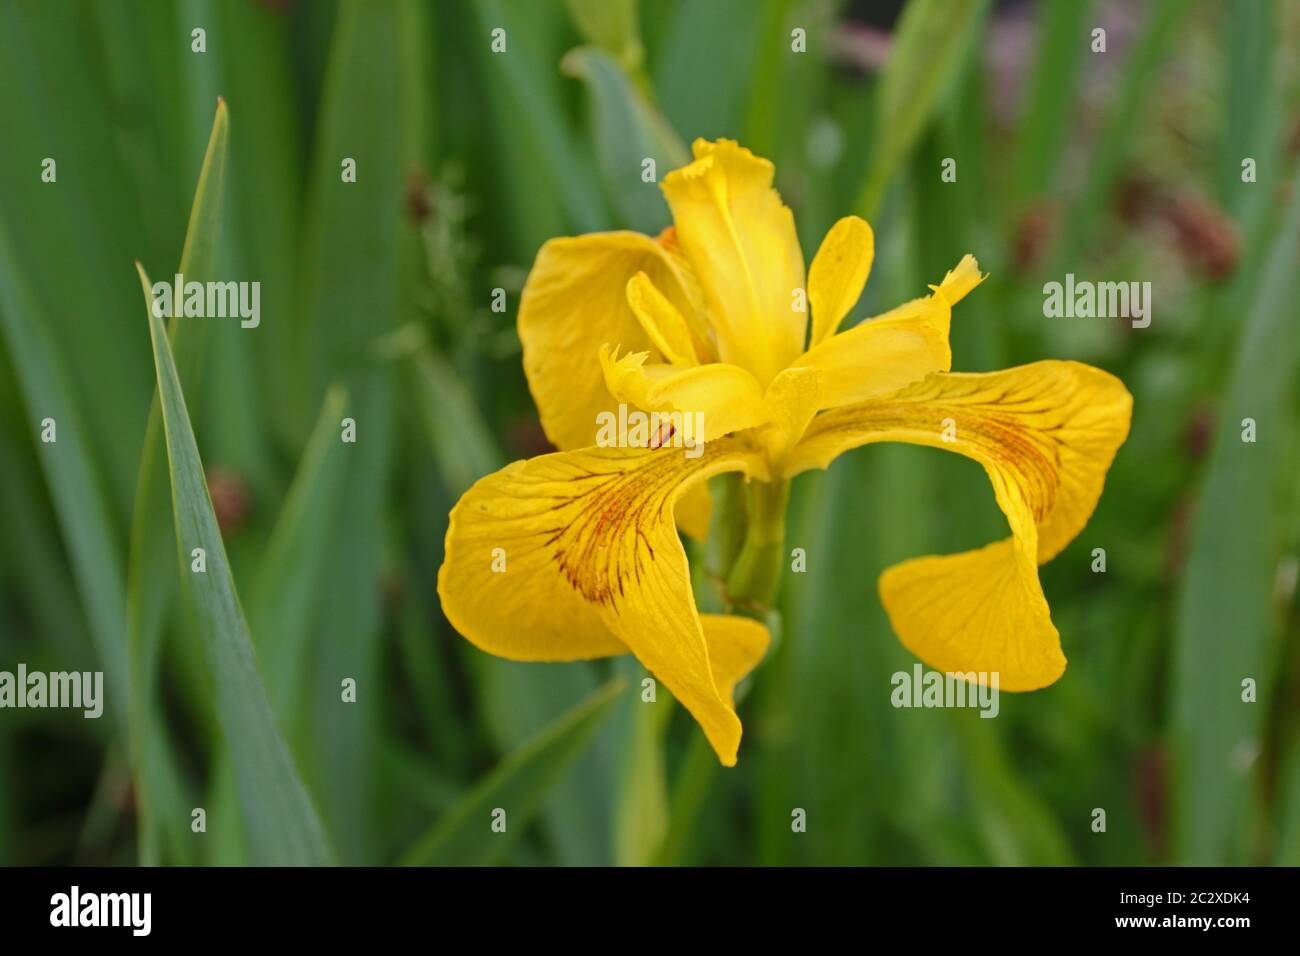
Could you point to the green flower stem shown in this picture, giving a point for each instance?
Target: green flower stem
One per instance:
(752, 580)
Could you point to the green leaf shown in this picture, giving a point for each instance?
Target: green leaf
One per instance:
(695, 776)
(32, 563)
(263, 224)
(1063, 40)
(151, 586)
(788, 98)
(291, 576)
(463, 836)
(1251, 108)
(1122, 123)
(527, 102)
(279, 820)
(627, 130)
(1288, 789)
(349, 301)
(926, 56)
(1016, 825)
(1226, 611)
(461, 442)
(74, 235)
(641, 810)
(71, 471)
(716, 40)
(612, 26)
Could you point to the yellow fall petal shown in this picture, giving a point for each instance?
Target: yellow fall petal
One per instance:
(694, 510)
(838, 273)
(736, 645)
(680, 344)
(724, 397)
(574, 301)
(1046, 434)
(594, 565)
(741, 243)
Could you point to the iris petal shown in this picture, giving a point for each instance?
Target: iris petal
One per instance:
(576, 555)
(1046, 434)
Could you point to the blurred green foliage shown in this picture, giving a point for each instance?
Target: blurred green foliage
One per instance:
(376, 305)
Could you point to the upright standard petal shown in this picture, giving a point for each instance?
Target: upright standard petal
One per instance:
(838, 273)
(1046, 434)
(741, 242)
(575, 300)
(576, 555)
(877, 356)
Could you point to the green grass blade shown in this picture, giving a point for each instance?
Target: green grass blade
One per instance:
(461, 441)
(33, 567)
(771, 76)
(151, 585)
(80, 500)
(1044, 129)
(1226, 613)
(463, 836)
(641, 809)
(627, 130)
(290, 579)
(695, 776)
(74, 237)
(789, 95)
(1252, 105)
(1121, 125)
(928, 44)
(717, 40)
(1015, 824)
(262, 232)
(279, 820)
(611, 25)
(1288, 788)
(349, 300)
(526, 95)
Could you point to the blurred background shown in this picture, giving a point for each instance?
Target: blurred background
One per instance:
(376, 302)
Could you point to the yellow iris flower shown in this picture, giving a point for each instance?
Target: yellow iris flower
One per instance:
(576, 554)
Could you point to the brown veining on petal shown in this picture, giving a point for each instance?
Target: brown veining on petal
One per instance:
(604, 532)
(1029, 455)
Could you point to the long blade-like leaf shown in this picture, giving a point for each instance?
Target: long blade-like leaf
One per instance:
(924, 59)
(70, 471)
(628, 130)
(465, 835)
(1226, 611)
(278, 817)
(349, 300)
(151, 587)
(291, 578)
